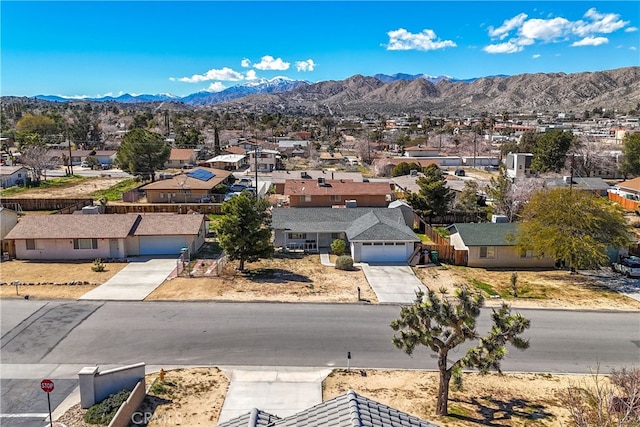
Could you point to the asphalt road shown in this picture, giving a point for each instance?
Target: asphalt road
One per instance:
(289, 335)
(55, 339)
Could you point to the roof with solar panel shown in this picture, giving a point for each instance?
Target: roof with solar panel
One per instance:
(197, 178)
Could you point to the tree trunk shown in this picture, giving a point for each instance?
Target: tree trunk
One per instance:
(241, 266)
(442, 407)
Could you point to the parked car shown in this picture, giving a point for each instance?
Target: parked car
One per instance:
(627, 265)
(236, 188)
(459, 172)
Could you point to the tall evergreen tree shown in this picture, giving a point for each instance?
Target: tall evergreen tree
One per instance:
(243, 232)
(434, 197)
(631, 163)
(550, 151)
(142, 153)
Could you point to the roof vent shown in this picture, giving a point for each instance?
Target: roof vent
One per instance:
(321, 181)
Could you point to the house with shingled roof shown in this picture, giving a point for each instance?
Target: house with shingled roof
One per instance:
(322, 192)
(180, 157)
(191, 186)
(104, 236)
(372, 234)
(347, 410)
(492, 245)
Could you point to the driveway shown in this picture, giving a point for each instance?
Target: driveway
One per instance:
(393, 284)
(134, 282)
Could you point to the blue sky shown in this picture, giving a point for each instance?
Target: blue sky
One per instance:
(81, 48)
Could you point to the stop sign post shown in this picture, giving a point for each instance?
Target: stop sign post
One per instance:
(47, 386)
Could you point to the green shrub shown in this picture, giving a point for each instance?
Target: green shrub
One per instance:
(344, 262)
(98, 265)
(102, 413)
(338, 247)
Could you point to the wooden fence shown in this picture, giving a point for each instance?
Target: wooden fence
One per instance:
(627, 204)
(49, 204)
(203, 208)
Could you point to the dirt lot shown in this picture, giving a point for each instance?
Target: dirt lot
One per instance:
(83, 189)
(286, 279)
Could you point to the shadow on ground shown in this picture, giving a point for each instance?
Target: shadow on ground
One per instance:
(276, 275)
(496, 412)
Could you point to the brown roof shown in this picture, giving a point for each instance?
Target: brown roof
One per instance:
(631, 184)
(183, 181)
(181, 154)
(168, 224)
(421, 147)
(235, 150)
(9, 170)
(335, 187)
(94, 226)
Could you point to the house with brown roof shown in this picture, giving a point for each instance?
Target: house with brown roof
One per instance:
(180, 157)
(187, 187)
(331, 192)
(13, 175)
(104, 236)
(421, 151)
(279, 177)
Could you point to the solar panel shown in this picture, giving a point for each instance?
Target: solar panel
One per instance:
(201, 174)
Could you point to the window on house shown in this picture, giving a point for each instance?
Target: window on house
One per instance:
(31, 244)
(335, 198)
(527, 254)
(85, 243)
(487, 252)
(162, 195)
(307, 198)
(297, 236)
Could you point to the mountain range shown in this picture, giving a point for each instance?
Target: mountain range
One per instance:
(404, 93)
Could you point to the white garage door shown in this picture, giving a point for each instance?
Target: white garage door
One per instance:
(161, 245)
(388, 252)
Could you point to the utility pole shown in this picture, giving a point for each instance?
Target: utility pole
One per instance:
(69, 144)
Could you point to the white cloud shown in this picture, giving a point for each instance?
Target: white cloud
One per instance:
(307, 65)
(225, 74)
(631, 29)
(268, 62)
(507, 47)
(633, 48)
(216, 87)
(503, 31)
(245, 63)
(584, 32)
(536, 56)
(401, 39)
(545, 29)
(251, 75)
(590, 41)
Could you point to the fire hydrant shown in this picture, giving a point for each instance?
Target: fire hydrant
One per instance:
(162, 375)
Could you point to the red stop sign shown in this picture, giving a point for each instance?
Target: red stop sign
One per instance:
(46, 385)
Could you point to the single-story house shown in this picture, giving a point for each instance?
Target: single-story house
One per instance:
(187, 187)
(373, 234)
(104, 157)
(421, 151)
(181, 157)
(13, 175)
(73, 237)
(594, 185)
(278, 178)
(8, 220)
(346, 410)
(332, 192)
(492, 245)
(227, 161)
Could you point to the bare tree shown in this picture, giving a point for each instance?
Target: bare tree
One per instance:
(35, 157)
(591, 156)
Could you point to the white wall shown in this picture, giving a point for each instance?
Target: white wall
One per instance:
(53, 249)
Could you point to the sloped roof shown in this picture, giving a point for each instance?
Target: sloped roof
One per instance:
(107, 226)
(183, 181)
(347, 410)
(279, 176)
(235, 150)
(104, 226)
(631, 184)
(336, 187)
(182, 154)
(9, 170)
(376, 224)
(593, 183)
(486, 234)
(255, 418)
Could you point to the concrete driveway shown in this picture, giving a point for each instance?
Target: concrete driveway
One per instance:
(393, 284)
(134, 282)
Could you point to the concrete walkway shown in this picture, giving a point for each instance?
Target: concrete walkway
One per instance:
(393, 284)
(134, 282)
(281, 391)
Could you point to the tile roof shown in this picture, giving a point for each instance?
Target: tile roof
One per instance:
(347, 410)
(73, 227)
(184, 181)
(486, 234)
(378, 224)
(255, 418)
(335, 187)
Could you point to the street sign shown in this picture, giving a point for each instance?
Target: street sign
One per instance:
(46, 386)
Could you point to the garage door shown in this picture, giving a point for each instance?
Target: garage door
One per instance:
(161, 245)
(388, 252)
